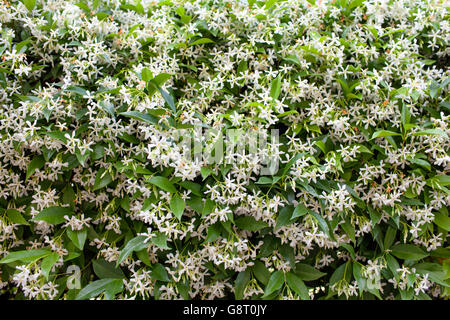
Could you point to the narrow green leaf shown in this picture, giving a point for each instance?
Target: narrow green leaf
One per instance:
(26, 255)
(201, 41)
(299, 211)
(54, 215)
(163, 183)
(37, 163)
(384, 133)
(275, 282)
(148, 118)
(307, 272)
(168, 98)
(48, 262)
(389, 237)
(177, 206)
(135, 244)
(295, 283)
(78, 237)
(161, 78)
(102, 179)
(275, 88)
(442, 220)
(240, 284)
(284, 217)
(261, 272)
(16, 217)
(93, 289)
(250, 223)
(431, 132)
(107, 270)
(408, 252)
(160, 273)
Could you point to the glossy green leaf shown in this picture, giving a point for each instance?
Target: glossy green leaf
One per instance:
(37, 163)
(53, 215)
(135, 244)
(177, 206)
(408, 252)
(107, 270)
(48, 262)
(163, 183)
(78, 237)
(250, 223)
(295, 283)
(307, 272)
(26, 255)
(109, 286)
(275, 283)
(240, 284)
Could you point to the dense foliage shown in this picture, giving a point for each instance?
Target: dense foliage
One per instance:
(102, 196)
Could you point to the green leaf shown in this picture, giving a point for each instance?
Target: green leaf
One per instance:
(177, 206)
(406, 115)
(270, 3)
(29, 4)
(163, 183)
(240, 284)
(53, 215)
(107, 270)
(321, 221)
(350, 249)
(293, 59)
(135, 244)
(205, 172)
(102, 179)
(423, 163)
(275, 282)
(48, 262)
(408, 252)
(250, 223)
(213, 233)
(261, 272)
(160, 79)
(168, 98)
(295, 283)
(307, 272)
(442, 220)
(389, 237)
(384, 133)
(299, 211)
(26, 255)
(37, 163)
(146, 74)
(284, 217)
(275, 88)
(78, 237)
(99, 152)
(16, 217)
(340, 273)
(144, 257)
(160, 273)
(264, 180)
(148, 118)
(201, 41)
(431, 132)
(160, 240)
(109, 286)
(349, 230)
(194, 187)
